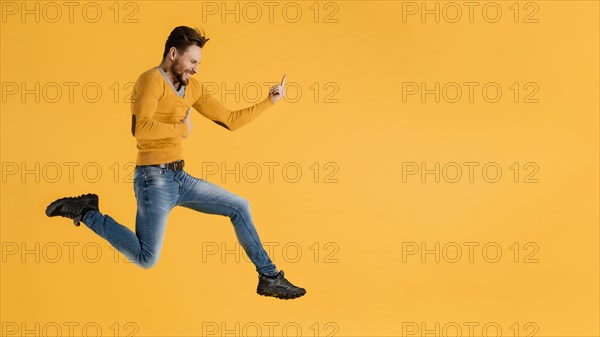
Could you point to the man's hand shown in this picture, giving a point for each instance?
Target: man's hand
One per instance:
(188, 121)
(277, 91)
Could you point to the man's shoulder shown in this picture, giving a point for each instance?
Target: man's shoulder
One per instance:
(196, 86)
(148, 82)
(151, 74)
(194, 82)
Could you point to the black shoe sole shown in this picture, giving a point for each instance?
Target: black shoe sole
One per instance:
(279, 296)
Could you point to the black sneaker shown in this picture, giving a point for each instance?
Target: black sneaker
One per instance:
(73, 207)
(278, 286)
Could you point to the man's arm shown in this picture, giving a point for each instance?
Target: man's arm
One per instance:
(144, 101)
(213, 109)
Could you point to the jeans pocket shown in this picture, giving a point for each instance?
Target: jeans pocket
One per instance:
(153, 171)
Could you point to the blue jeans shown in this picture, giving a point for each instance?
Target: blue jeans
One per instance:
(157, 191)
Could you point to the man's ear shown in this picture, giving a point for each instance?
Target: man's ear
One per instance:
(133, 125)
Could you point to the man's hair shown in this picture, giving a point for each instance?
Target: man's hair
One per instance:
(182, 37)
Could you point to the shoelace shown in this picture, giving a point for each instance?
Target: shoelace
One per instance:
(284, 281)
(70, 210)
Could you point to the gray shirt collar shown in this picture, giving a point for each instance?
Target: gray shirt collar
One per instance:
(181, 91)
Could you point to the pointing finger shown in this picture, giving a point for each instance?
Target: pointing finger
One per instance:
(283, 81)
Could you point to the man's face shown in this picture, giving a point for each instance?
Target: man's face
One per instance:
(186, 64)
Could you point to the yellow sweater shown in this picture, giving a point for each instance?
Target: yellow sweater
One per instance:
(158, 110)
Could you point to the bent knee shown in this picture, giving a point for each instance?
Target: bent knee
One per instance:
(147, 261)
(243, 203)
(241, 207)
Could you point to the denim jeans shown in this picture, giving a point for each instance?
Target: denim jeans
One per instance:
(157, 191)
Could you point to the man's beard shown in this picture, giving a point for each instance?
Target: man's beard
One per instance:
(178, 75)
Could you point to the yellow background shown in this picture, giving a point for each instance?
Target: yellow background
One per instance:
(358, 284)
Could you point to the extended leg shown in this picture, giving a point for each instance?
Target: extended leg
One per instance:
(156, 191)
(142, 247)
(205, 197)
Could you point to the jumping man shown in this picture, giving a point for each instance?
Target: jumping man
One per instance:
(161, 103)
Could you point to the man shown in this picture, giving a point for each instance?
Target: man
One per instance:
(161, 103)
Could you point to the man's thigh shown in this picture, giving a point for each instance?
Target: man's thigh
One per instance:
(206, 197)
(156, 192)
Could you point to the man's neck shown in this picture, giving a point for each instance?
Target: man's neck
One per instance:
(171, 77)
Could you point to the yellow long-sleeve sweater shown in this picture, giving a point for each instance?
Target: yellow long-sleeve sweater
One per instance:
(158, 110)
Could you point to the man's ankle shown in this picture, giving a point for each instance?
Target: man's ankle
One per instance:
(270, 276)
(85, 211)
